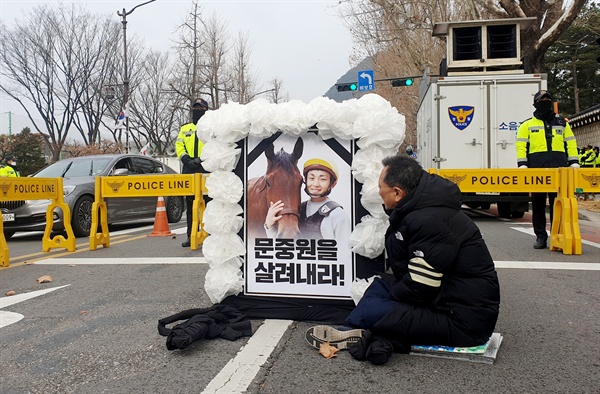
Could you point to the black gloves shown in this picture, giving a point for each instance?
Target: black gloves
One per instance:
(194, 165)
(185, 159)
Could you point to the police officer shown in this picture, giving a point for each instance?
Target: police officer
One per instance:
(589, 157)
(544, 141)
(189, 148)
(10, 169)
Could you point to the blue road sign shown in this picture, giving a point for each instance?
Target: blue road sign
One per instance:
(366, 80)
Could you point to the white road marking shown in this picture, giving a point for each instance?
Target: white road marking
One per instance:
(7, 318)
(530, 232)
(180, 230)
(122, 261)
(7, 301)
(239, 372)
(548, 265)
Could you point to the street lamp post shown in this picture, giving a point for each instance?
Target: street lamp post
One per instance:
(125, 71)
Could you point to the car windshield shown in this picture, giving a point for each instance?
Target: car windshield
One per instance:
(72, 169)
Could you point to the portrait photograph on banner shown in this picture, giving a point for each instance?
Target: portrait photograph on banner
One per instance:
(299, 201)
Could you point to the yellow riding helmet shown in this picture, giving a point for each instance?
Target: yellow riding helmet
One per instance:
(320, 164)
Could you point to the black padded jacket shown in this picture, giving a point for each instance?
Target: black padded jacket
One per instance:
(439, 258)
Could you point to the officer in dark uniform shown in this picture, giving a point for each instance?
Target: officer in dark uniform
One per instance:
(544, 141)
(189, 148)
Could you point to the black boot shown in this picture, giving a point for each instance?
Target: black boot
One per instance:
(186, 244)
(540, 243)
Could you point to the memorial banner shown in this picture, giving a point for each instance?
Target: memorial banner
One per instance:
(300, 214)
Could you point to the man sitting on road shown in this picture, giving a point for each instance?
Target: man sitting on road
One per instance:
(443, 289)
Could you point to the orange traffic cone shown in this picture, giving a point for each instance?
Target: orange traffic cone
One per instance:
(161, 223)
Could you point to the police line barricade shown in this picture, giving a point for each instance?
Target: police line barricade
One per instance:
(581, 180)
(17, 189)
(565, 233)
(147, 186)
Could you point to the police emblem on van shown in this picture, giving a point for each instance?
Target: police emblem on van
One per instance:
(461, 116)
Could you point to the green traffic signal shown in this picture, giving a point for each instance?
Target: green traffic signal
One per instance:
(402, 82)
(344, 87)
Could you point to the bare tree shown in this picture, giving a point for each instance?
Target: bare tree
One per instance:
(155, 110)
(211, 64)
(186, 80)
(397, 36)
(214, 52)
(553, 18)
(47, 66)
(276, 93)
(243, 85)
(405, 27)
(100, 37)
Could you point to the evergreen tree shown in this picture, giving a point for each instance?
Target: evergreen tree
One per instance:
(573, 71)
(27, 148)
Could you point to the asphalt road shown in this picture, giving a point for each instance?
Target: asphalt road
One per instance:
(95, 328)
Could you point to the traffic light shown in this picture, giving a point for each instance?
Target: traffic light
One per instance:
(344, 87)
(402, 82)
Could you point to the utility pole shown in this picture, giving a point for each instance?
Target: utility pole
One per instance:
(125, 71)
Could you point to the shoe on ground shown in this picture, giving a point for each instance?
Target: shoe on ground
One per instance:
(186, 244)
(318, 335)
(540, 243)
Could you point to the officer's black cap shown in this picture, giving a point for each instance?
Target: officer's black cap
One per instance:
(541, 94)
(200, 103)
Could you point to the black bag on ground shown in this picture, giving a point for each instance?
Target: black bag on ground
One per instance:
(218, 321)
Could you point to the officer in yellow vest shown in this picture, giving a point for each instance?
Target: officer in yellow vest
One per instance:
(589, 157)
(189, 148)
(10, 169)
(544, 141)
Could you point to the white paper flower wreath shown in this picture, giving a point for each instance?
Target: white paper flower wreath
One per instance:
(377, 126)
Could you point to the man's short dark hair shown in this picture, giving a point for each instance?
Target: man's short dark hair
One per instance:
(403, 172)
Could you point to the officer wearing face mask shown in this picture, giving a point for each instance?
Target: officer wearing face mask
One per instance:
(544, 141)
(189, 148)
(10, 169)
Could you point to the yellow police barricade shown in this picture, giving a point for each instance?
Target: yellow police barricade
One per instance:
(585, 180)
(16, 189)
(565, 227)
(147, 186)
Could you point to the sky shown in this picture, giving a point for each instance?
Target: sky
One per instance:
(302, 43)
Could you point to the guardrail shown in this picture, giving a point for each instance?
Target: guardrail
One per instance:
(565, 182)
(16, 189)
(147, 186)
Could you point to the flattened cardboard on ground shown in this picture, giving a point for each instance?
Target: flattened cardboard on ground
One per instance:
(485, 354)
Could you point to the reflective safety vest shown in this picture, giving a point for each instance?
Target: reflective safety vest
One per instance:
(588, 159)
(8, 171)
(543, 144)
(187, 143)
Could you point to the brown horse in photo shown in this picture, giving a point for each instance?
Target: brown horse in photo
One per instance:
(282, 181)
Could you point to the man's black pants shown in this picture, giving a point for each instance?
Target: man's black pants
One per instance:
(538, 217)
